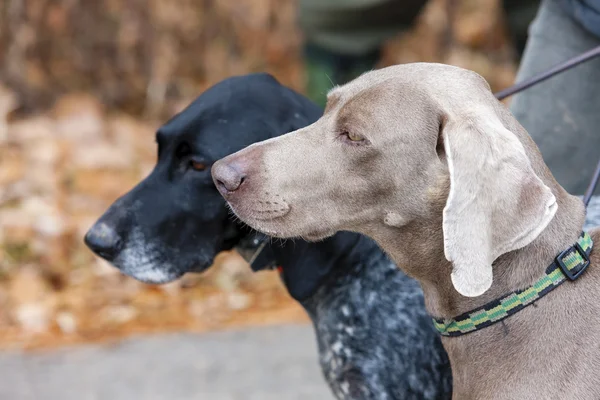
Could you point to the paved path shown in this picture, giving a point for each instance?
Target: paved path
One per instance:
(258, 364)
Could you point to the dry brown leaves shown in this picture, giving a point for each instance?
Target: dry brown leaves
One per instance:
(141, 56)
(60, 169)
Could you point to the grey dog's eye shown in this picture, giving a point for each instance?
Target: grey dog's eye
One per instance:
(352, 138)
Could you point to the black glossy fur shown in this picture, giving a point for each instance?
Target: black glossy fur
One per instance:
(375, 338)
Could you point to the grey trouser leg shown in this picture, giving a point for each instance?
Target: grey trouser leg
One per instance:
(562, 114)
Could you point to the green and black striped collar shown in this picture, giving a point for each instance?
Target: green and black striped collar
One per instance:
(568, 265)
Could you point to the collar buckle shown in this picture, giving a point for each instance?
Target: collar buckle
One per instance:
(573, 273)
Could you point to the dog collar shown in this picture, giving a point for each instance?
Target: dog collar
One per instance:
(258, 253)
(568, 265)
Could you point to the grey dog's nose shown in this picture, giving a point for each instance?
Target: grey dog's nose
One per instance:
(228, 177)
(104, 241)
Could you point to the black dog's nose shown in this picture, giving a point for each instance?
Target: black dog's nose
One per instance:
(104, 241)
(227, 177)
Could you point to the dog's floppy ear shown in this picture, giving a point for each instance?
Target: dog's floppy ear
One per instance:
(302, 283)
(306, 266)
(496, 203)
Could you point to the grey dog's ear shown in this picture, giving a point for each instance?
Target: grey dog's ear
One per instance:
(496, 203)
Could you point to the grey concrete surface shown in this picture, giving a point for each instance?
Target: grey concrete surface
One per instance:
(257, 364)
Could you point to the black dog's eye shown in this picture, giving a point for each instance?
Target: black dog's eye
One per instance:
(197, 165)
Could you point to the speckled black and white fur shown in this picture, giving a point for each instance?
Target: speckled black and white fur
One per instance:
(375, 339)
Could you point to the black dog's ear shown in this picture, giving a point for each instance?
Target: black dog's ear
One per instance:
(287, 109)
(303, 277)
(306, 266)
(301, 111)
(302, 268)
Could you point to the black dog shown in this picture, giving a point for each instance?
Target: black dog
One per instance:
(375, 338)
(175, 220)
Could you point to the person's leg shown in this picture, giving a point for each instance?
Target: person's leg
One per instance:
(343, 37)
(325, 68)
(562, 114)
(519, 14)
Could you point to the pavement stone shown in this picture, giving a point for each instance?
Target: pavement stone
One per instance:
(277, 362)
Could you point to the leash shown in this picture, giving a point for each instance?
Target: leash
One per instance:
(592, 186)
(564, 66)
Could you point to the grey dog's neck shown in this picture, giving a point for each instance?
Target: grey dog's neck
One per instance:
(420, 252)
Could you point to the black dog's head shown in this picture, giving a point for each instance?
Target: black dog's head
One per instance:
(175, 221)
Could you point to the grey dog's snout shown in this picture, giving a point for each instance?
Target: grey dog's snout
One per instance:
(228, 177)
(230, 173)
(104, 241)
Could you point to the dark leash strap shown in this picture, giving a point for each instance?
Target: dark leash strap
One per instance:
(527, 83)
(564, 66)
(592, 186)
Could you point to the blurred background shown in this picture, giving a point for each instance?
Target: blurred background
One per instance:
(83, 87)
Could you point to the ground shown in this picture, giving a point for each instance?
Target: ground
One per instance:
(278, 363)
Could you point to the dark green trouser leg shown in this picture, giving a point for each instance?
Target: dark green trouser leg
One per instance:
(325, 69)
(343, 37)
(519, 14)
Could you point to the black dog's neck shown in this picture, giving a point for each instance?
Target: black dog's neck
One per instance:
(306, 267)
